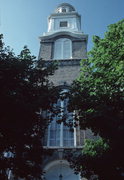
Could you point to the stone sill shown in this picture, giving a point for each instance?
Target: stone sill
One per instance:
(65, 62)
(64, 147)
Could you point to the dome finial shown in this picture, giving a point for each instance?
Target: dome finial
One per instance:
(64, 7)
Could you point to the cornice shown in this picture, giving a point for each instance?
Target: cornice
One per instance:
(64, 14)
(61, 33)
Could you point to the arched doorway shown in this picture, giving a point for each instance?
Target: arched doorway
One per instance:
(59, 170)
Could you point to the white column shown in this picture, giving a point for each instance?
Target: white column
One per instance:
(61, 127)
(75, 143)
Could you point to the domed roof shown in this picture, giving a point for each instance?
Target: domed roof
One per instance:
(64, 7)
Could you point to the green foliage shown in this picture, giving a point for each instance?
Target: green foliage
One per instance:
(98, 98)
(25, 94)
(94, 147)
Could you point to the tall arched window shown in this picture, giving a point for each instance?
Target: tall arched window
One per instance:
(63, 49)
(60, 134)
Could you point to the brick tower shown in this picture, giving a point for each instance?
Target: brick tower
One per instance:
(65, 43)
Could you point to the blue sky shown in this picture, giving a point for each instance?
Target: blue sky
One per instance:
(23, 21)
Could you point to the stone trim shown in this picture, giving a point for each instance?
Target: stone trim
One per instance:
(64, 62)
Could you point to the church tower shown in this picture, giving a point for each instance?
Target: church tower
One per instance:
(66, 43)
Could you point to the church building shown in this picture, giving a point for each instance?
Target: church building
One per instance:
(65, 42)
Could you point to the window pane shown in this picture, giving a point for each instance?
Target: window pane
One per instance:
(54, 136)
(45, 138)
(63, 24)
(63, 49)
(68, 138)
(66, 49)
(58, 50)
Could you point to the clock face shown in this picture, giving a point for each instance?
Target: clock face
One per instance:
(61, 171)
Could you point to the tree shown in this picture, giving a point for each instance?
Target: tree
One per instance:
(98, 97)
(25, 94)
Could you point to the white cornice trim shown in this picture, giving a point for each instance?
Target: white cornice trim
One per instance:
(69, 33)
(55, 15)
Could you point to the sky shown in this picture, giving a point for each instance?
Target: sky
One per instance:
(22, 22)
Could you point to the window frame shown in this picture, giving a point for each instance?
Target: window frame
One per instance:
(63, 24)
(61, 42)
(61, 135)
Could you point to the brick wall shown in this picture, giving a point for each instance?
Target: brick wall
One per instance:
(46, 50)
(79, 49)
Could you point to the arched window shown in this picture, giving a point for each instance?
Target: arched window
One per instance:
(60, 168)
(63, 49)
(60, 134)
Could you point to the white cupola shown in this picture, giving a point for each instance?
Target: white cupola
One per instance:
(64, 18)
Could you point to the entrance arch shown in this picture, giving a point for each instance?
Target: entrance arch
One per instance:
(59, 169)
